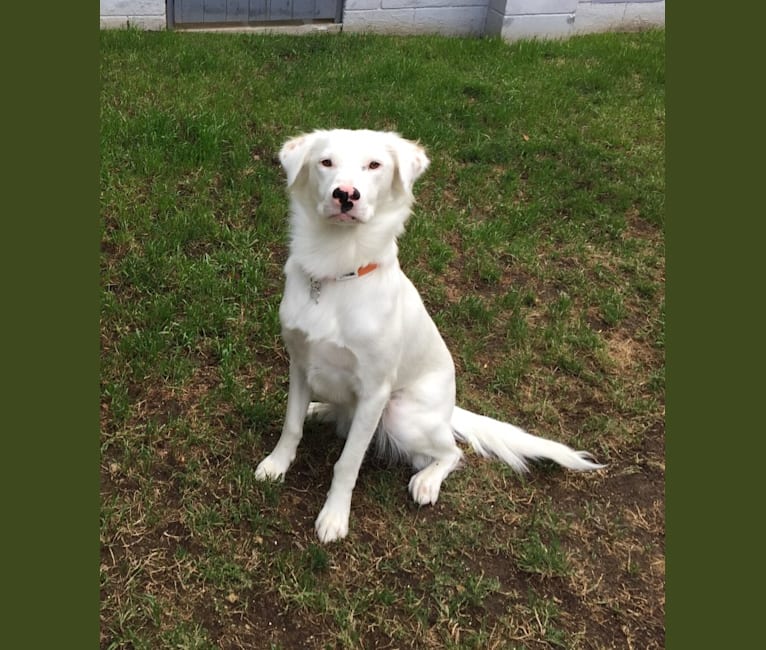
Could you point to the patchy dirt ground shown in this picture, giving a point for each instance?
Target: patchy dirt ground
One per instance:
(200, 556)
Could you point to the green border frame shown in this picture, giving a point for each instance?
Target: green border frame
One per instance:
(51, 308)
(714, 328)
(49, 262)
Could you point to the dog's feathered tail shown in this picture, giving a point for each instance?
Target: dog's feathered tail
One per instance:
(495, 439)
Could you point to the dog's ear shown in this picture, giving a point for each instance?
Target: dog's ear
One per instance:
(293, 155)
(411, 161)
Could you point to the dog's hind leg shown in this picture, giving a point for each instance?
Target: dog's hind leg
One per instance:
(418, 432)
(322, 412)
(332, 413)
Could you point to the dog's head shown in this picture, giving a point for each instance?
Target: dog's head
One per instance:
(347, 177)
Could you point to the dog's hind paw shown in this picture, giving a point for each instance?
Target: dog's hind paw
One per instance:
(425, 485)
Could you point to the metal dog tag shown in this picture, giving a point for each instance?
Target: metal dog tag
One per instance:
(316, 288)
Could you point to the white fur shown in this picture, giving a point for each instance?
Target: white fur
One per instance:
(366, 347)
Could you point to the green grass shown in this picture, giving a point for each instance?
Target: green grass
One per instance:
(537, 244)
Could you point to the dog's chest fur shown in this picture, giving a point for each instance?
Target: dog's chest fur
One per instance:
(349, 324)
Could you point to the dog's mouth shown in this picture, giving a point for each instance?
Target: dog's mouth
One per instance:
(343, 217)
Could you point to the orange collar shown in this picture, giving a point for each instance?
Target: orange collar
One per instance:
(362, 270)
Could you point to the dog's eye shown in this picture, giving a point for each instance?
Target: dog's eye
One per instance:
(326, 162)
(373, 165)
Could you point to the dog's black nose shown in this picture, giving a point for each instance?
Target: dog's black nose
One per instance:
(346, 196)
(343, 195)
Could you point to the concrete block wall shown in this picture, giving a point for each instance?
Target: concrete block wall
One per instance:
(451, 17)
(515, 19)
(610, 15)
(144, 14)
(510, 19)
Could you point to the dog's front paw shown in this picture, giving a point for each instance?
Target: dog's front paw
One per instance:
(332, 523)
(271, 469)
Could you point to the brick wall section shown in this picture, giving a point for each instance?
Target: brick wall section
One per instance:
(511, 19)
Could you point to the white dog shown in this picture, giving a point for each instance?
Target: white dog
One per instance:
(359, 337)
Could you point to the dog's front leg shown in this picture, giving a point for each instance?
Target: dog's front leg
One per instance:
(276, 463)
(332, 522)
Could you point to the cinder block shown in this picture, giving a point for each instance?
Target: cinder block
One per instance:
(356, 5)
(534, 7)
(148, 22)
(424, 4)
(544, 26)
(392, 21)
(443, 19)
(451, 21)
(649, 11)
(114, 22)
(141, 22)
(600, 17)
(132, 7)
